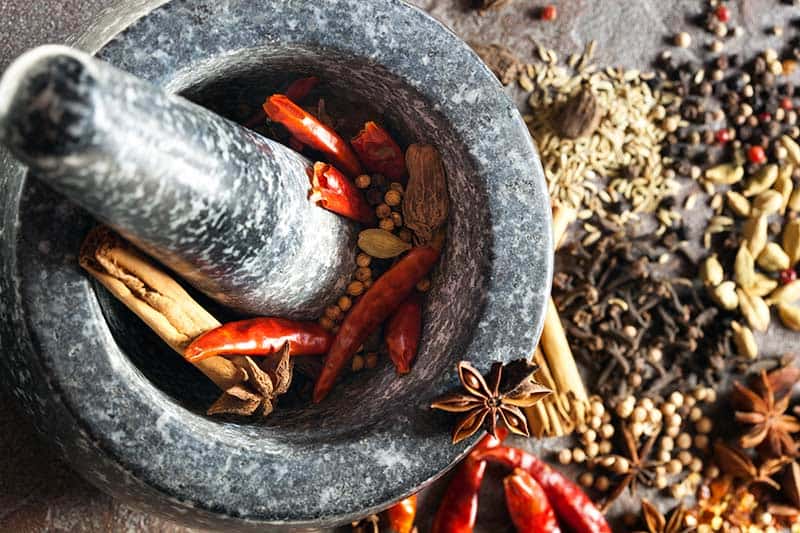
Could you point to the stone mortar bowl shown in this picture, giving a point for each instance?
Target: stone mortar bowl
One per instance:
(128, 414)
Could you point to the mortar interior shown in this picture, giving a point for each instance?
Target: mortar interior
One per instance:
(234, 86)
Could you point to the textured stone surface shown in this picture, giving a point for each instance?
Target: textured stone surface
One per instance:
(321, 464)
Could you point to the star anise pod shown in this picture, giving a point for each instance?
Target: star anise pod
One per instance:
(766, 413)
(657, 522)
(504, 391)
(738, 465)
(636, 468)
(267, 379)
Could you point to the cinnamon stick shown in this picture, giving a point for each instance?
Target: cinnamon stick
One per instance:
(567, 406)
(161, 303)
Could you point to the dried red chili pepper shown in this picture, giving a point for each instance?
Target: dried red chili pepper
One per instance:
(332, 190)
(401, 515)
(528, 505)
(310, 131)
(378, 152)
(299, 89)
(572, 506)
(402, 333)
(459, 507)
(375, 306)
(260, 336)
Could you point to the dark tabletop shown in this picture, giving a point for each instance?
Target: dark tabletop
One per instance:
(37, 491)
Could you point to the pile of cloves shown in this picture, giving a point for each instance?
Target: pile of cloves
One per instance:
(637, 324)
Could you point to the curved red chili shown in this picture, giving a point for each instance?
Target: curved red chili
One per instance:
(401, 515)
(459, 506)
(310, 131)
(378, 152)
(572, 506)
(260, 336)
(300, 88)
(332, 190)
(403, 332)
(375, 306)
(527, 504)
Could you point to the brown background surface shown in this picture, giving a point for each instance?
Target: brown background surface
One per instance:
(38, 492)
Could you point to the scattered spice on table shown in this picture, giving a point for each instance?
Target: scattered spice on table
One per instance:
(599, 134)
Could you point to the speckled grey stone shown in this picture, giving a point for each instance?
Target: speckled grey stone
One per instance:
(222, 206)
(94, 380)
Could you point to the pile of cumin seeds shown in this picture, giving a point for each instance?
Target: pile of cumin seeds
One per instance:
(617, 170)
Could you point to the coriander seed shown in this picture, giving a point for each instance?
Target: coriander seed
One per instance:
(605, 447)
(363, 181)
(684, 441)
(578, 455)
(358, 363)
(363, 274)
(586, 479)
(565, 456)
(333, 312)
(704, 425)
(674, 466)
(393, 198)
(386, 224)
(371, 360)
(602, 483)
(685, 457)
(383, 211)
(676, 398)
(683, 40)
(355, 288)
(592, 449)
(363, 260)
(344, 303)
(395, 186)
(701, 442)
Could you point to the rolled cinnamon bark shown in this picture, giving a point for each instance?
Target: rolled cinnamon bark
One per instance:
(175, 316)
(562, 411)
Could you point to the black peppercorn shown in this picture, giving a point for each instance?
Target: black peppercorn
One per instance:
(706, 88)
(773, 129)
(708, 137)
(759, 65)
(767, 79)
(744, 133)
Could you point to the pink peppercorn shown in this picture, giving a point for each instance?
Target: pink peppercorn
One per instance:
(786, 103)
(549, 12)
(722, 13)
(764, 117)
(723, 136)
(788, 276)
(756, 155)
